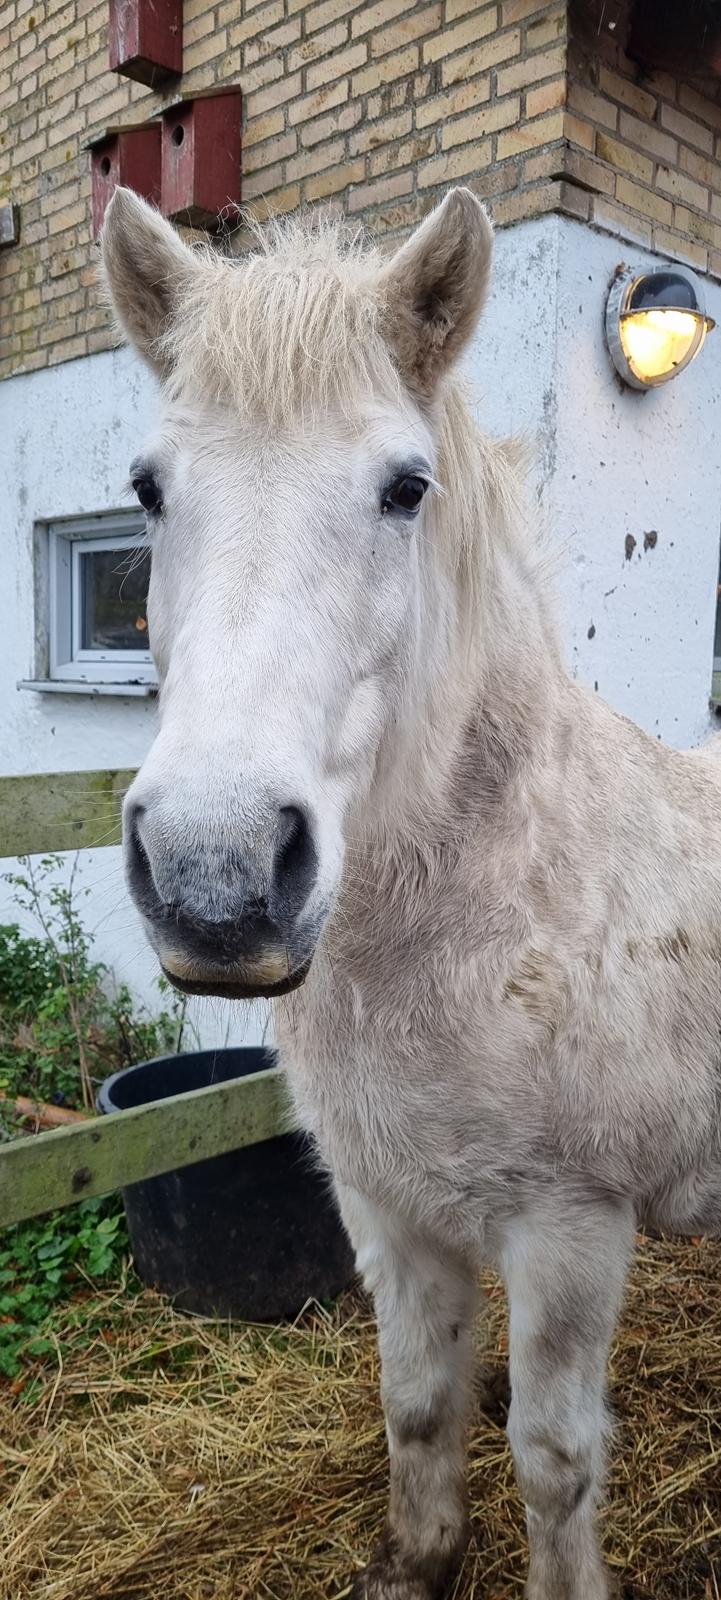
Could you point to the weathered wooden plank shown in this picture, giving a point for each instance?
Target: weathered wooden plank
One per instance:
(56, 1169)
(50, 811)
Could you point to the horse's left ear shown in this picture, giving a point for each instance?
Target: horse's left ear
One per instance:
(434, 288)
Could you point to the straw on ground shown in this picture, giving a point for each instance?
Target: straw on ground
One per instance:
(164, 1458)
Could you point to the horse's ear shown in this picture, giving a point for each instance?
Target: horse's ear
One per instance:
(435, 286)
(146, 267)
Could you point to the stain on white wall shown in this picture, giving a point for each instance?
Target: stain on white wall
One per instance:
(628, 487)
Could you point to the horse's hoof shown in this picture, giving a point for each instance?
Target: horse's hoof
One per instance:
(391, 1576)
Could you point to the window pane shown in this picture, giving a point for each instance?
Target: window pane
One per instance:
(113, 599)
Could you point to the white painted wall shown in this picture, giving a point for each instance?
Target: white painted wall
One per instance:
(611, 462)
(608, 463)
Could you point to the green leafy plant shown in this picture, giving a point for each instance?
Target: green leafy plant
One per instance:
(43, 1263)
(63, 1027)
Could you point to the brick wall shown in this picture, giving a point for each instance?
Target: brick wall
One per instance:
(647, 145)
(373, 108)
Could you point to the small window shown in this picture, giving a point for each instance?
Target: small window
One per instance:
(99, 571)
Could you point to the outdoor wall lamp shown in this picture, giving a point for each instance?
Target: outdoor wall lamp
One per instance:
(655, 324)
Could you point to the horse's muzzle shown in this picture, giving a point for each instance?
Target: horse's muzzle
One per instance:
(223, 922)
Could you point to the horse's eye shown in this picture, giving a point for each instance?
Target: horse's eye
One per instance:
(405, 495)
(148, 494)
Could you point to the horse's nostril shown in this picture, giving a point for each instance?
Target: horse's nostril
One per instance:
(294, 863)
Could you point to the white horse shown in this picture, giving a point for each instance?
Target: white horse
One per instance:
(374, 778)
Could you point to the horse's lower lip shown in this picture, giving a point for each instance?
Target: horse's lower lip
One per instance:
(235, 990)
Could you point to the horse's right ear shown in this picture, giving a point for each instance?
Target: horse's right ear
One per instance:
(435, 286)
(146, 268)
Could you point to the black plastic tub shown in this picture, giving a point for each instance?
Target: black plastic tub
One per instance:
(252, 1234)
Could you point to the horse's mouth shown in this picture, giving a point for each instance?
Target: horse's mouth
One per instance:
(234, 988)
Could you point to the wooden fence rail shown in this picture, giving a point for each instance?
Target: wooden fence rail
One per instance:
(80, 810)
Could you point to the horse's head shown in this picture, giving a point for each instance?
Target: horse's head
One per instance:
(287, 492)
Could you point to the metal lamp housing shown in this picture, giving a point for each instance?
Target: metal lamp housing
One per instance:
(656, 325)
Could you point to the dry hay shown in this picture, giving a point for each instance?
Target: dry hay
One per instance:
(170, 1459)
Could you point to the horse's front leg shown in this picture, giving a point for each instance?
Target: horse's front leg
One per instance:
(424, 1305)
(565, 1269)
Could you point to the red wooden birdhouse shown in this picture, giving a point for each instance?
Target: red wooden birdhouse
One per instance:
(200, 166)
(146, 39)
(130, 156)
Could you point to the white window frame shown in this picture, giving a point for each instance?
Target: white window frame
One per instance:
(68, 662)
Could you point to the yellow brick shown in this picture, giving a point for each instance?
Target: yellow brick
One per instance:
(456, 100)
(629, 94)
(544, 164)
(320, 46)
(486, 120)
(331, 182)
(452, 39)
(621, 155)
(547, 30)
(67, 219)
(592, 107)
(279, 202)
(372, 17)
(373, 134)
(399, 217)
(263, 128)
(387, 70)
(701, 107)
(328, 11)
(408, 153)
(334, 94)
(702, 168)
(204, 50)
(526, 203)
(714, 263)
(689, 222)
(460, 8)
(518, 10)
(267, 44)
(686, 128)
(415, 26)
(198, 27)
(530, 69)
(587, 173)
(337, 65)
(578, 132)
(649, 137)
(324, 155)
(338, 121)
(248, 27)
(276, 94)
(262, 72)
(384, 189)
(257, 183)
(444, 168)
(498, 47)
(66, 194)
(644, 200)
(674, 244)
(546, 98)
(529, 136)
(682, 188)
(270, 151)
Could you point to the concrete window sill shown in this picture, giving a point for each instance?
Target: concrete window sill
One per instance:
(141, 691)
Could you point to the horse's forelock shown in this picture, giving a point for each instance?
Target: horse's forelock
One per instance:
(291, 329)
